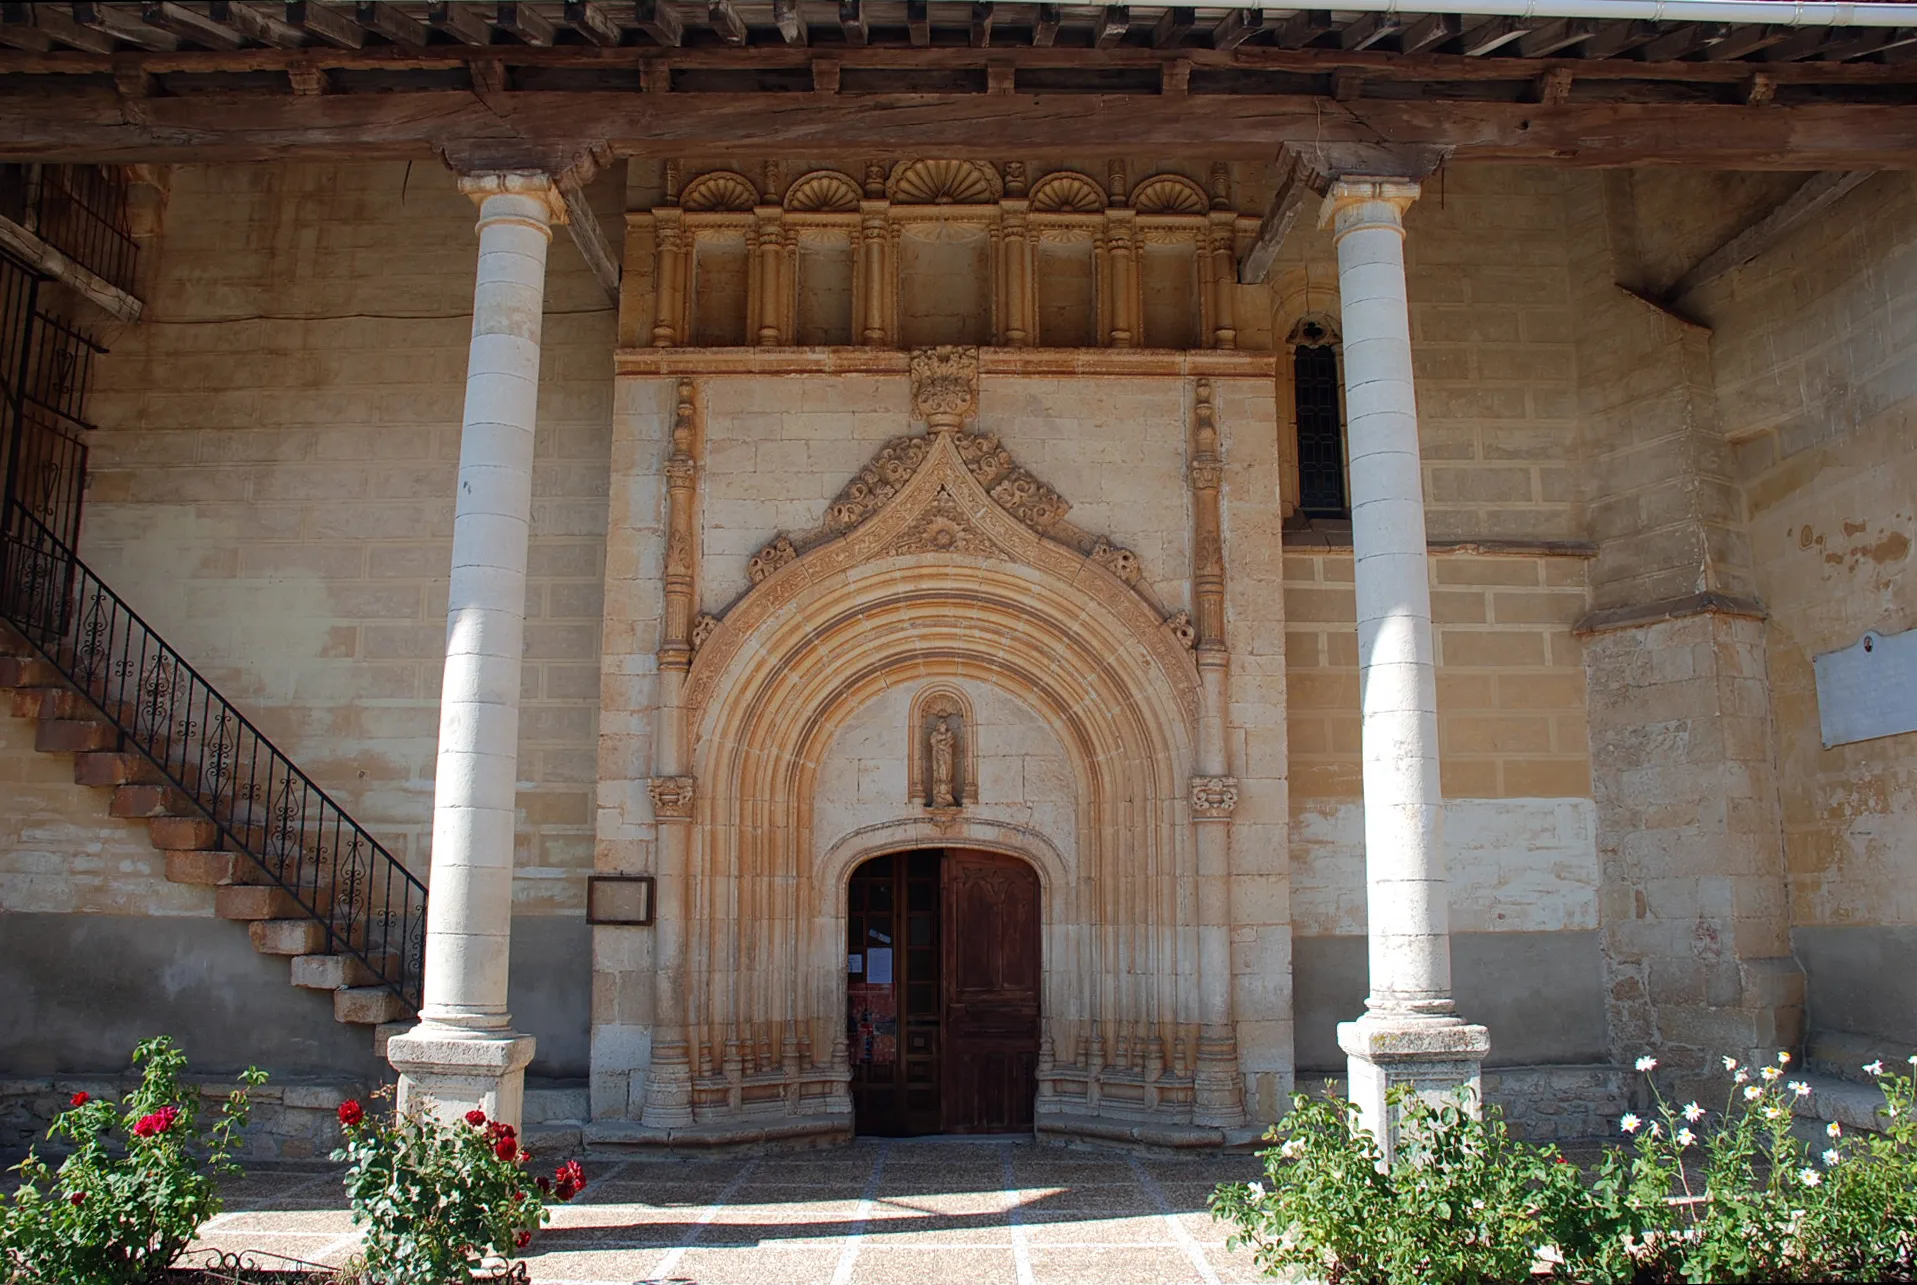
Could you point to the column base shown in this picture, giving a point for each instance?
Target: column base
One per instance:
(1218, 1098)
(1431, 1057)
(668, 1090)
(449, 1072)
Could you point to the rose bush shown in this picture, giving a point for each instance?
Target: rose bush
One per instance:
(436, 1197)
(138, 1185)
(1696, 1195)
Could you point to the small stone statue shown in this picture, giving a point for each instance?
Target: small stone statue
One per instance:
(944, 743)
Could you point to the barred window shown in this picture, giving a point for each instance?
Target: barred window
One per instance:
(1321, 432)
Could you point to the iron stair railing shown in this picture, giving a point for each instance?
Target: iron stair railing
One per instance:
(372, 908)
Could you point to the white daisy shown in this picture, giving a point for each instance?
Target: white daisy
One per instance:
(1834, 1129)
(1646, 1063)
(1783, 1056)
(1693, 1112)
(1685, 1137)
(1629, 1123)
(1730, 1064)
(1809, 1177)
(1875, 1068)
(1752, 1093)
(1800, 1088)
(1770, 1073)
(1832, 1156)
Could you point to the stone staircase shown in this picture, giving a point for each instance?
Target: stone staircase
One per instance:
(196, 850)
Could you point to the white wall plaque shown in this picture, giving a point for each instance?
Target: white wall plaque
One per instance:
(1868, 689)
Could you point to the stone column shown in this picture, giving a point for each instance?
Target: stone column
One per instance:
(873, 278)
(1217, 1092)
(464, 1052)
(1409, 1033)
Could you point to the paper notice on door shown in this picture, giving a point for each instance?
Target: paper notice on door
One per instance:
(855, 963)
(878, 966)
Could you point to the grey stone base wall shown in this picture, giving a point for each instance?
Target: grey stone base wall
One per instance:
(1541, 1103)
(290, 1121)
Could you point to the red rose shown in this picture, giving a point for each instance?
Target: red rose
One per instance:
(522, 1240)
(544, 1185)
(475, 1116)
(505, 1148)
(79, 1099)
(574, 1174)
(78, 1198)
(149, 1126)
(351, 1113)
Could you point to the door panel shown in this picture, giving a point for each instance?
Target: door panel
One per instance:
(893, 994)
(992, 972)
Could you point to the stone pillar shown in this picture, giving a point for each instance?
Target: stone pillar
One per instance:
(464, 1052)
(668, 326)
(1218, 1098)
(873, 278)
(1409, 1033)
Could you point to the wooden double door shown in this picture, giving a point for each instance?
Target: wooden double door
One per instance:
(942, 987)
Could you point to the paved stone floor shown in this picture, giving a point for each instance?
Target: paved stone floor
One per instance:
(906, 1212)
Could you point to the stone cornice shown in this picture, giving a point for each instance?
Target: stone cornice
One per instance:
(1161, 363)
(1709, 602)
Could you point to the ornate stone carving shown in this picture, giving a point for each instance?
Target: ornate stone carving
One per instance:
(672, 797)
(1213, 797)
(941, 753)
(945, 528)
(945, 183)
(1029, 500)
(1170, 194)
(984, 457)
(722, 191)
(1181, 627)
(1015, 178)
(769, 559)
(944, 385)
(823, 192)
(1067, 192)
(702, 629)
(1122, 563)
(877, 482)
(1206, 475)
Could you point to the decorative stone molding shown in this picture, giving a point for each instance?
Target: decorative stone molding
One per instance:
(720, 191)
(1067, 192)
(537, 185)
(945, 183)
(769, 559)
(1164, 194)
(1121, 562)
(1179, 625)
(672, 797)
(944, 386)
(823, 192)
(1213, 797)
(702, 629)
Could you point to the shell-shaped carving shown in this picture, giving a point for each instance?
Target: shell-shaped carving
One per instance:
(722, 191)
(945, 183)
(1067, 192)
(823, 192)
(1169, 194)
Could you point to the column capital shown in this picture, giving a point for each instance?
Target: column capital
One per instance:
(1362, 202)
(538, 188)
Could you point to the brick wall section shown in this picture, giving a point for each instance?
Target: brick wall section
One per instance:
(1510, 683)
(273, 485)
(1815, 355)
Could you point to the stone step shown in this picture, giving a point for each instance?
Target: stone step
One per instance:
(50, 702)
(27, 671)
(549, 1104)
(183, 834)
(114, 767)
(385, 1031)
(1854, 1106)
(208, 869)
(254, 901)
(367, 1005)
(287, 936)
(1845, 1054)
(141, 801)
(74, 735)
(331, 972)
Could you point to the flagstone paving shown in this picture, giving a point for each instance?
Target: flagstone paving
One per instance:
(877, 1212)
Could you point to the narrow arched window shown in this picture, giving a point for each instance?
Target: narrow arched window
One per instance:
(1321, 430)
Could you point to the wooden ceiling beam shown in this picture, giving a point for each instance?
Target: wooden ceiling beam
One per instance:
(852, 22)
(1368, 30)
(1173, 26)
(1302, 28)
(1432, 29)
(1237, 27)
(790, 20)
(660, 21)
(87, 123)
(1684, 41)
(190, 24)
(525, 22)
(329, 24)
(983, 16)
(461, 21)
(408, 33)
(1815, 194)
(1742, 41)
(257, 22)
(124, 23)
(1615, 38)
(54, 23)
(1555, 37)
(1112, 26)
(595, 23)
(1493, 34)
(918, 23)
(726, 22)
(1045, 26)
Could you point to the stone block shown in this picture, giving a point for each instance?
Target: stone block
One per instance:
(209, 869)
(108, 768)
(286, 936)
(248, 902)
(183, 834)
(330, 972)
(368, 1005)
(142, 801)
(74, 735)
